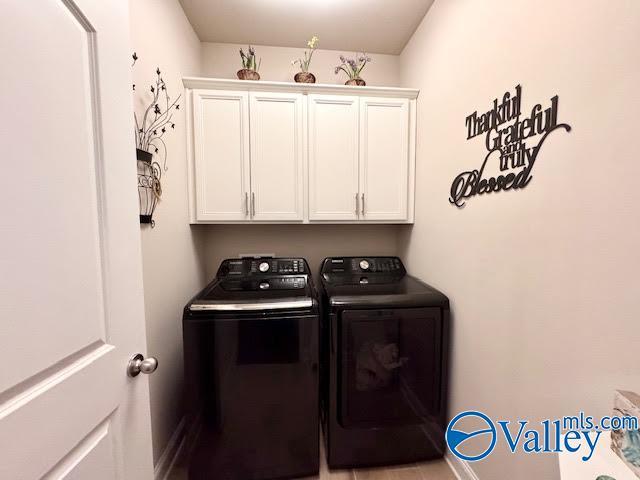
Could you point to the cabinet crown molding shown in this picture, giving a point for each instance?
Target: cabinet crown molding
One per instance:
(291, 87)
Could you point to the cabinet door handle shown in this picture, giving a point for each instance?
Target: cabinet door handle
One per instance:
(357, 205)
(363, 204)
(246, 203)
(253, 204)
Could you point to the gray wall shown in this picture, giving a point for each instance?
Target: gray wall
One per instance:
(172, 251)
(313, 242)
(543, 281)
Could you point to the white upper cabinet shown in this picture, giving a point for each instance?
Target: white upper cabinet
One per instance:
(277, 156)
(221, 154)
(333, 157)
(276, 152)
(384, 158)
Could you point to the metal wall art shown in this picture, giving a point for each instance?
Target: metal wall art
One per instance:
(512, 143)
(149, 186)
(150, 130)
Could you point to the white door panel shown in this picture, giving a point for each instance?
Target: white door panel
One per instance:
(63, 242)
(52, 409)
(333, 157)
(91, 458)
(384, 158)
(70, 289)
(277, 149)
(221, 120)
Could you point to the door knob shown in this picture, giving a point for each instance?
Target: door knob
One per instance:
(138, 364)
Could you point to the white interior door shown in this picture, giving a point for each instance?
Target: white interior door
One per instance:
(333, 157)
(384, 158)
(221, 134)
(277, 156)
(71, 305)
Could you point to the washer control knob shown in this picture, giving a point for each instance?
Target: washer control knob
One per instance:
(364, 264)
(264, 285)
(263, 267)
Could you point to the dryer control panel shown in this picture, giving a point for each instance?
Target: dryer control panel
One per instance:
(363, 264)
(362, 269)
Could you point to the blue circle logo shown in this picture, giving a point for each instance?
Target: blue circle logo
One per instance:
(456, 438)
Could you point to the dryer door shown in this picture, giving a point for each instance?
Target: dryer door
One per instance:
(390, 364)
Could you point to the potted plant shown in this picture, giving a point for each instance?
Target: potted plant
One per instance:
(304, 76)
(249, 66)
(353, 67)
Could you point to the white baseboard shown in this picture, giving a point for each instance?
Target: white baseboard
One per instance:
(171, 453)
(175, 445)
(462, 469)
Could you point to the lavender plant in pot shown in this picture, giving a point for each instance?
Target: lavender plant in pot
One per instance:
(353, 68)
(304, 76)
(250, 68)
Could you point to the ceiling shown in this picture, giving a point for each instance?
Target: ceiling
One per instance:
(374, 26)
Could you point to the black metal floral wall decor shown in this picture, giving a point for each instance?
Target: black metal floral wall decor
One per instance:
(513, 142)
(150, 129)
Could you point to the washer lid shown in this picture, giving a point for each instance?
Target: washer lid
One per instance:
(266, 294)
(241, 285)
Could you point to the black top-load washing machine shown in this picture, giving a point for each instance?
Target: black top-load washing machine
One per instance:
(251, 372)
(384, 348)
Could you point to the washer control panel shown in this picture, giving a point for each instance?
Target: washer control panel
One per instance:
(282, 266)
(247, 267)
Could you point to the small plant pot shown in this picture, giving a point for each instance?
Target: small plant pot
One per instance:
(143, 155)
(246, 74)
(305, 77)
(358, 82)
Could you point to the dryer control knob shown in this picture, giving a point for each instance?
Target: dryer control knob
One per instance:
(263, 267)
(364, 264)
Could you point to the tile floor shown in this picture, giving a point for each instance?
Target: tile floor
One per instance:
(433, 470)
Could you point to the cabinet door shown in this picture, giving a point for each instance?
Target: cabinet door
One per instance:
(333, 157)
(221, 140)
(384, 158)
(277, 154)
